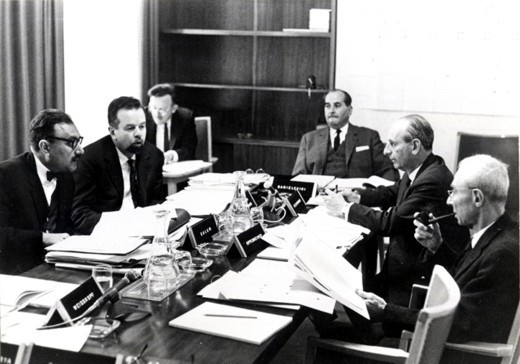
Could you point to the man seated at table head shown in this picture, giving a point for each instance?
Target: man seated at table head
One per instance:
(487, 272)
(342, 149)
(120, 170)
(36, 191)
(423, 187)
(170, 127)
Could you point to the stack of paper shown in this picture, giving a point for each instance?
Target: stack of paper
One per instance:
(18, 292)
(322, 267)
(321, 180)
(231, 322)
(200, 201)
(226, 179)
(372, 181)
(184, 168)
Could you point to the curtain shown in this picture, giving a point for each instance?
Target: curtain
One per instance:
(31, 67)
(150, 46)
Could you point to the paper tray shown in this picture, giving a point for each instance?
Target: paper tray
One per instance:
(138, 289)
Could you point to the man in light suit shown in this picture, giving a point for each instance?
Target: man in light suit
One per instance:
(342, 150)
(120, 170)
(36, 191)
(423, 187)
(170, 127)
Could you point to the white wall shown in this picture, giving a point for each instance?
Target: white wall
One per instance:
(102, 59)
(454, 62)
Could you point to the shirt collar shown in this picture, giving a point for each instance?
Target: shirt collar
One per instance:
(476, 237)
(414, 173)
(123, 158)
(41, 170)
(343, 132)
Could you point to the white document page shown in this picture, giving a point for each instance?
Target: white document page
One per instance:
(183, 168)
(236, 323)
(200, 201)
(272, 281)
(330, 273)
(116, 245)
(37, 292)
(320, 180)
(20, 327)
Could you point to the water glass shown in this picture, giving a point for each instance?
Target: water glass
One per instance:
(103, 275)
(257, 215)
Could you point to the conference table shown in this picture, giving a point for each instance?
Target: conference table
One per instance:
(171, 345)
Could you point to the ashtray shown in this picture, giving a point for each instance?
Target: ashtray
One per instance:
(102, 327)
(212, 249)
(197, 265)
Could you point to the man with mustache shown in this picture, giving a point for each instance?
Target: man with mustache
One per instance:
(36, 191)
(343, 150)
(120, 170)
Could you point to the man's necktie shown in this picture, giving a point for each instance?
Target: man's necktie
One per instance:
(336, 140)
(134, 183)
(51, 175)
(166, 138)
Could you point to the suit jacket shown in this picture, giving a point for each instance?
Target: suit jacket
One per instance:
(488, 278)
(183, 136)
(99, 182)
(24, 210)
(406, 261)
(364, 154)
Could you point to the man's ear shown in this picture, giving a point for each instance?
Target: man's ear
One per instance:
(416, 146)
(111, 130)
(174, 108)
(478, 197)
(44, 146)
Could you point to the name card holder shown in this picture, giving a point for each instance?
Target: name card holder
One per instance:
(247, 242)
(203, 231)
(74, 304)
(11, 353)
(298, 203)
(306, 189)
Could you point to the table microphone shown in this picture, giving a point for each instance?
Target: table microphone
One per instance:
(112, 294)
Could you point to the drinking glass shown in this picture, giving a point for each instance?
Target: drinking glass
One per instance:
(103, 275)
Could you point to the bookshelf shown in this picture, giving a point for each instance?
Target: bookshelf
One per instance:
(232, 60)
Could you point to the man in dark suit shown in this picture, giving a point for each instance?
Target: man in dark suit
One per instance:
(487, 272)
(170, 127)
(36, 191)
(423, 187)
(120, 170)
(342, 149)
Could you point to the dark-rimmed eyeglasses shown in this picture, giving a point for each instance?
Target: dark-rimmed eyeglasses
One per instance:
(451, 192)
(72, 142)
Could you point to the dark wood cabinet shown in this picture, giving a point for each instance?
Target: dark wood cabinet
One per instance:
(233, 60)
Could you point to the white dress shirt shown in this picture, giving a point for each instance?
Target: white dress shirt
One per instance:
(128, 203)
(342, 135)
(48, 186)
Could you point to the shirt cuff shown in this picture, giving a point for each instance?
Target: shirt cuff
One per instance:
(345, 211)
(175, 156)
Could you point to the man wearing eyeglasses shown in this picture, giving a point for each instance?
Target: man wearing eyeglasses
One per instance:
(36, 192)
(423, 187)
(119, 171)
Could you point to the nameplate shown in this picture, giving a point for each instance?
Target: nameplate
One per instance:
(298, 202)
(75, 303)
(307, 189)
(202, 231)
(248, 242)
(43, 355)
(8, 353)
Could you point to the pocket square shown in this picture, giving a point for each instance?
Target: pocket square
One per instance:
(362, 148)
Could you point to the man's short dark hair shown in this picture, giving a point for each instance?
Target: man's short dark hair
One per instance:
(162, 89)
(42, 125)
(420, 129)
(346, 97)
(123, 102)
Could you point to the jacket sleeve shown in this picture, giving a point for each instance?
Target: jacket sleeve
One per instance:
(300, 166)
(186, 145)
(84, 216)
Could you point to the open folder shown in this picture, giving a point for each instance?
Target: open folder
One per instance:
(236, 323)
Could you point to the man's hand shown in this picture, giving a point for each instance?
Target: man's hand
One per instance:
(375, 304)
(334, 202)
(351, 196)
(49, 239)
(428, 236)
(170, 157)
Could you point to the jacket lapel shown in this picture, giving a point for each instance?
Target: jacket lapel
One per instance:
(473, 254)
(322, 142)
(350, 142)
(174, 129)
(113, 169)
(143, 168)
(36, 190)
